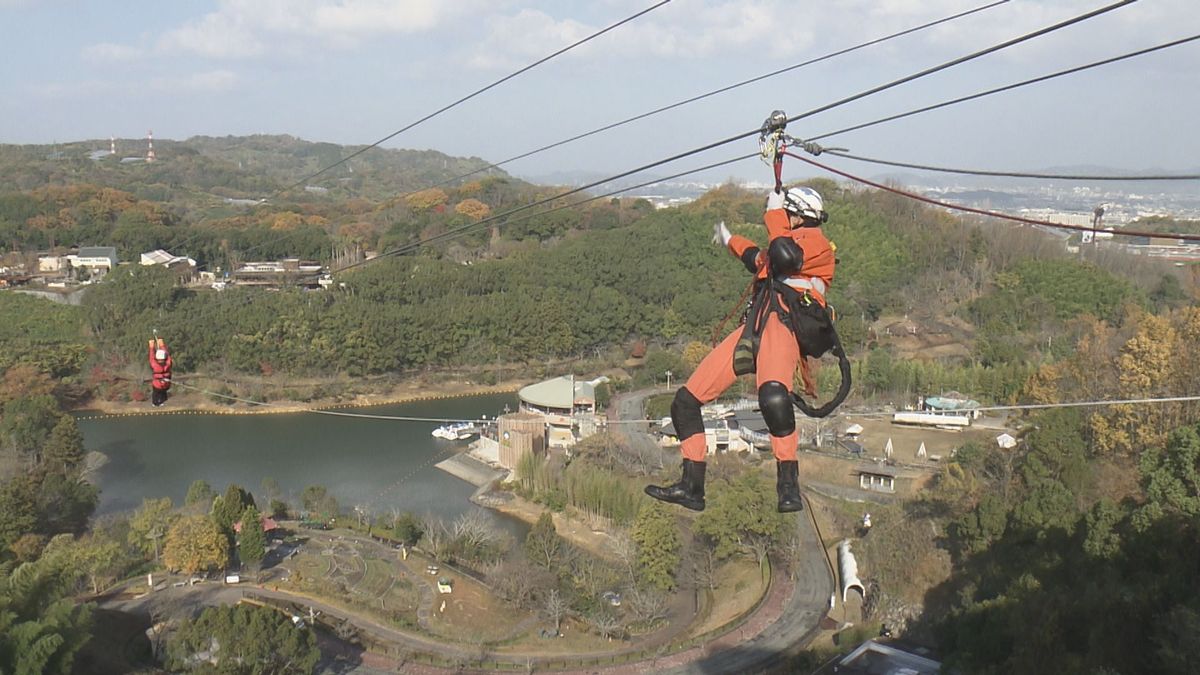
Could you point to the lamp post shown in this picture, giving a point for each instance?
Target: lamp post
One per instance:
(668, 379)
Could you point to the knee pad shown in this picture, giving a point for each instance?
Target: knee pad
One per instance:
(685, 414)
(775, 403)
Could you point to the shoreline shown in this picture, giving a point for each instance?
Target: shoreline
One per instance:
(194, 403)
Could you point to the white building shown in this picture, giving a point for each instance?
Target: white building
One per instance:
(97, 260)
(567, 405)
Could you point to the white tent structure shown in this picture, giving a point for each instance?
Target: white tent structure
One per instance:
(887, 449)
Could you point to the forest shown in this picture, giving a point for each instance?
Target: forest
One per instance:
(1071, 553)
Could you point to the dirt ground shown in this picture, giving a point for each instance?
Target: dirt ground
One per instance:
(596, 537)
(906, 441)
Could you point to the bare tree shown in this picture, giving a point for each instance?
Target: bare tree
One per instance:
(759, 545)
(514, 581)
(791, 550)
(606, 624)
(437, 539)
(556, 608)
(647, 604)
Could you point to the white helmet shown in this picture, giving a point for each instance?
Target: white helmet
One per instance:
(806, 202)
(160, 354)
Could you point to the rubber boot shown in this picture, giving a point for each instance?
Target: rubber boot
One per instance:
(688, 492)
(787, 486)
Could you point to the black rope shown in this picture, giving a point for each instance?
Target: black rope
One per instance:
(1010, 174)
(1009, 87)
(755, 132)
(473, 94)
(714, 92)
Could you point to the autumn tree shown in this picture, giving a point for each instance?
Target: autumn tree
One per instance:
(426, 199)
(473, 209)
(195, 544)
(149, 524)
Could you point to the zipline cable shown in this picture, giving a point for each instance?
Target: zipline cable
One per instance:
(473, 94)
(465, 229)
(1011, 174)
(1049, 406)
(874, 90)
(687, 101)
(714, 92)
(992, 214)
(1009, 87)
(866, 413)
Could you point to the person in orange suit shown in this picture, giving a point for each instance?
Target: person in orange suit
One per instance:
(792, 277)
(161, 363)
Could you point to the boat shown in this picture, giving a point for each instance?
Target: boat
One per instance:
(458, 431)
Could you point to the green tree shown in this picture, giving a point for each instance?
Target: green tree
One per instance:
(252, 542)
(64, 449)
(194, 544)
(543, 546)
(318, 501)
(227, 508)
(244, 639)
(18, 510)
(657, 538)
(149, 525)
(408, 529)
(199, 492)
(41, 630)
(741, 516)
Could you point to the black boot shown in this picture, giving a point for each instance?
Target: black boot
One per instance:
(787, 485)
(688, 492)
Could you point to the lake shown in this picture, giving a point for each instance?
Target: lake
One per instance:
(378, 464)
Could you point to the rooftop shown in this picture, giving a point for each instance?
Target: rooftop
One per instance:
(561, 392)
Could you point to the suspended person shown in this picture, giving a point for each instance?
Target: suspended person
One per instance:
(161, 363)
(786, 322)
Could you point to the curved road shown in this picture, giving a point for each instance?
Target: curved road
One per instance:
(798, 618)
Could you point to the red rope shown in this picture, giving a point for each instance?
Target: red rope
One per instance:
(993, 214)
(740, 304)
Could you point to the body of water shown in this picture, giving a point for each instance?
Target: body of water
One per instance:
(379, 464)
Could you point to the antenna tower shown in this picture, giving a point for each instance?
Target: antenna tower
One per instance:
(150, 146)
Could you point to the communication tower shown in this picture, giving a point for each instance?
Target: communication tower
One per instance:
(150, 146)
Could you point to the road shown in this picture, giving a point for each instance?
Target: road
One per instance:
(800, 612)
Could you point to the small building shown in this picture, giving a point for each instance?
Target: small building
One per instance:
(878, 478)
(519, 434)
(724, 435)
(97, 260)
(880, 658)
(565, 404)
(183, 267)
(278, 273)
(53, 264)
(445, 585)
(951, 403)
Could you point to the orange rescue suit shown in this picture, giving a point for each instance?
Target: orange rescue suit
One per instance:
(778, 353)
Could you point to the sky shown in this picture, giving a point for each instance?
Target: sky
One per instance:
(354, 71)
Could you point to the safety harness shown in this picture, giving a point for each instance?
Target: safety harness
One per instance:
(790, 299)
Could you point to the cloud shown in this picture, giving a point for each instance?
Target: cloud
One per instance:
(108, 52)
(206, 82)
(249, 28)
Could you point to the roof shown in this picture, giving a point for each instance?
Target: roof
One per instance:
(157, 257)
(879, 470)
(950, 402)
(558, 393)
(98, 252)
(877, 658)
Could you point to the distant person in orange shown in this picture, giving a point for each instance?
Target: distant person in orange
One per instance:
(787, 321)
(161, 363)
